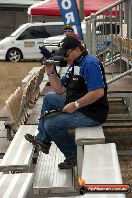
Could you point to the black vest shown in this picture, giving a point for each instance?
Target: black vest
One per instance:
(76, 88)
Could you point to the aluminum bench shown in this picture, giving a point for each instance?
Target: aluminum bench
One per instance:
(49, 180)
(101, 166)
(21, 101)
(18, 156)
(87, 136)
(16, 185)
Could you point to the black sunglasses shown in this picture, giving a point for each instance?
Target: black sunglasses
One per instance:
(65, 31)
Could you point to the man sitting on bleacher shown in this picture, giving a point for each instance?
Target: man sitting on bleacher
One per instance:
(84, 105)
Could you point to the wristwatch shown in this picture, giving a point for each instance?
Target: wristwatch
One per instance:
(76, 104)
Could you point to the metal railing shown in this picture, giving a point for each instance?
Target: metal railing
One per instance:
(119, 76)
(109, 34)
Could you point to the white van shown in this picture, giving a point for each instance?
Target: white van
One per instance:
(25, 41)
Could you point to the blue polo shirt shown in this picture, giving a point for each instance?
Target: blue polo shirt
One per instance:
(87, 74)
(90, 69)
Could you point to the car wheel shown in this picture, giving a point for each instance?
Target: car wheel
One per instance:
(14, 55)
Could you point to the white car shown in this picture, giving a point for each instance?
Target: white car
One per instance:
(25, 41)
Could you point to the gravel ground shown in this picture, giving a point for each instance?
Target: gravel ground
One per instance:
(11, 75)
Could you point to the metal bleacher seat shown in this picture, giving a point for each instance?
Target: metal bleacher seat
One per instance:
(101, 166)
(13, 107)
(16, 185)
(122, 88)
(18, 156)
(87, 136)
(21, 101)
(49, 180)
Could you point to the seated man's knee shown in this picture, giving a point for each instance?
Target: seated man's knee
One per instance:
(50, 126)
(48, 96)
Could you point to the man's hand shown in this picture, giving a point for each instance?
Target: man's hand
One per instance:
(49, 69)
(69, 108)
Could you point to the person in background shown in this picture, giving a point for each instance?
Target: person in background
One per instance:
(84, 103)
(68, 31)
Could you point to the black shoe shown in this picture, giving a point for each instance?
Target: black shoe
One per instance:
(68, 163)
(30, 138)
(44, 146)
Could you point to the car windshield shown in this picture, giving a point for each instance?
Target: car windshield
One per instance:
(18, 30)
(40, 31)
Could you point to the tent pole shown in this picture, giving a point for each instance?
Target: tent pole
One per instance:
(81, 10)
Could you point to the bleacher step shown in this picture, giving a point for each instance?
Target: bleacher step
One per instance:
(106, 156)
(118, 123)
(4, 115)
(49, 179)
(117, 99)
(20, 152)
(122, 136)
(16, 185)
(101, 166)
(114, 109)
(119, 116)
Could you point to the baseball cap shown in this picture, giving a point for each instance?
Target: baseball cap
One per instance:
(67, 43)
(67, 27)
